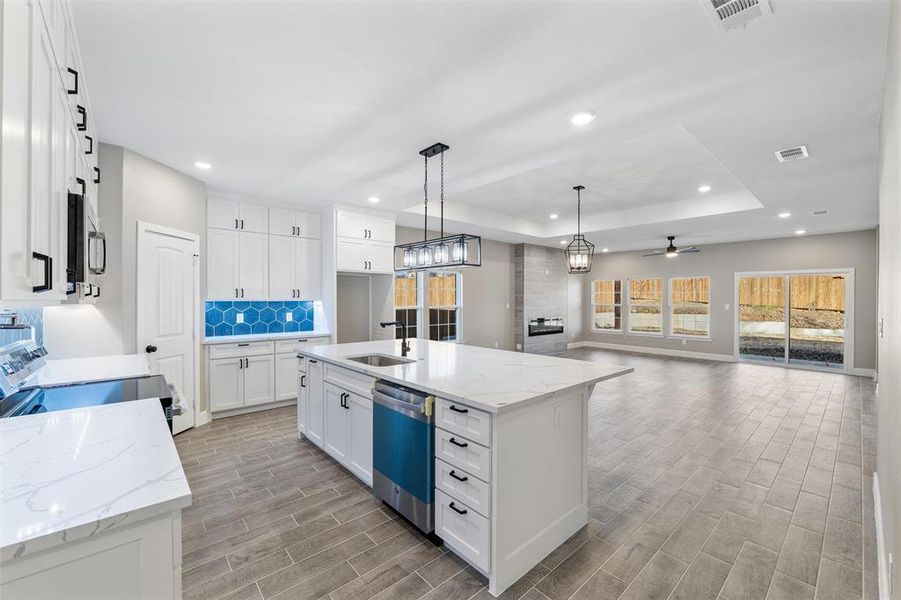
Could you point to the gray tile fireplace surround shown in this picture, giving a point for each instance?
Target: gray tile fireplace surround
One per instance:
(540, 285)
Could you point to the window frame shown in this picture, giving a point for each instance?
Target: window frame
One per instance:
(672, 306)
(623, 306)
(662, 332)
(458, 307)
(418, 308)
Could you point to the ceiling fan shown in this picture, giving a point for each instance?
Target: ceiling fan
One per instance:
(671, 251)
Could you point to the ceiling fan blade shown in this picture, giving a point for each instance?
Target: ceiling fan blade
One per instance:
(689, 250)
(655, 253)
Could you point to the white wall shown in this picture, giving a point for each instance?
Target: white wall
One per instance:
(888, 459)
(857, 250)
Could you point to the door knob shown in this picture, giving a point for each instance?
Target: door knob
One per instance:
(150, 348)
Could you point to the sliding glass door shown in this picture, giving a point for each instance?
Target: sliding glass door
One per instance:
(793, 318)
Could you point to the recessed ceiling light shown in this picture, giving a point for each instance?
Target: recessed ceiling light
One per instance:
(605, 249)
(584, 117)
(203, 165)
(563, 242)
(800, 231)
(553, 215)
(704, 188)
(374, 199)
(784, 215)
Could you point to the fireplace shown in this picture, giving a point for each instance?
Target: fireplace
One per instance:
(545, 326)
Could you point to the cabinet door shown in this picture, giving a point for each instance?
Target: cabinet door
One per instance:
(61, 123)
(254, 218)
(309, 224)
(360, 455)
(259, 380)
(314, 401)
(283, 257)
(281, 221)
(309, 268)
(222, 265)
(351, 255)
(222, 213)
(352, 225)
(285, 376)
(303, 396)
(253, 261)
(226, 384)
(381, 230)
(336, 423)
(381, 257)
(43, 98)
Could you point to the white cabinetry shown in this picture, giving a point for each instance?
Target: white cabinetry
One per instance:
(226, 213)
(315, 421)
(241, 375)
(295, 268)
(286, 383)
(237, 265)
(364, 242)
(294, 223)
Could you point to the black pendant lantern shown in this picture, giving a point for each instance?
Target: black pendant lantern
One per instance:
(444, 252)
(580, 251)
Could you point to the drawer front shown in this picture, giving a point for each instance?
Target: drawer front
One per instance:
(284, 346)
(458, 451)
(349, 380)
(240, 349)
(465, 531)
(302, 364)
(468, 422)
(463, 486)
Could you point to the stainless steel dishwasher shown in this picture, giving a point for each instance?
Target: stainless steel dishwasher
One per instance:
(403, 457)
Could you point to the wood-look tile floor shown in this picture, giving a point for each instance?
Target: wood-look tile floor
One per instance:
(707, 480)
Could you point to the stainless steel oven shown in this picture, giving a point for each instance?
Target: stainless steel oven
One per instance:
(86, 252)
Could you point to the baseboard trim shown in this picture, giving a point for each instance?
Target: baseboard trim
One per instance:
(871, 373)
(884, 592)
(656, 351)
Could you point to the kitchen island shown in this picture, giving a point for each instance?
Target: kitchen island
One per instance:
(91, 504)
(510, 439)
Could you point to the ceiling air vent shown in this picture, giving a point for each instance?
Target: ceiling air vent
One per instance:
(734, 14)
(790, 154)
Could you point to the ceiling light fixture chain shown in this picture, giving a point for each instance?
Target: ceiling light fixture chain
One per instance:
(425, 189)
(580, 251)
(442, 194)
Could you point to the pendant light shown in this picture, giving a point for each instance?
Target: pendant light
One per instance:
(580, 251)
(443, 252)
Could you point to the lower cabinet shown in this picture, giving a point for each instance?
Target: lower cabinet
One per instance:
(315, 421)
(242, 381)
(286, 384)
(259, 379)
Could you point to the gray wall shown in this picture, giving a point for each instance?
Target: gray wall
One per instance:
(487, 318)
(856, 250)
(542, 290)
(888, 458)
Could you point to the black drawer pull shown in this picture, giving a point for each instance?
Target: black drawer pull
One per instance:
(47, 263)
(244, 345)
(74, 89)
(83, 112)
(303, 379)
(457, 510)
(459, 444)
(462, 411)
(457, 477)
(90, 149)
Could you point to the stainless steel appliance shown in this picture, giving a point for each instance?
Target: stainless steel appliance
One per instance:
(86, 252)
(19, 361)
(403, 454)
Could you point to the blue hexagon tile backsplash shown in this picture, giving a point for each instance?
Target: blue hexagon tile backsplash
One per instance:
(239, 317)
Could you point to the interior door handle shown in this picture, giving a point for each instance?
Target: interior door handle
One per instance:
(150, 349)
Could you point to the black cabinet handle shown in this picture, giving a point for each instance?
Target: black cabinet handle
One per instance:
(243, 345)
(242, 292)
(457, 510)
(90, 149)
(83, 112)
(96, 292)
(240, 363)
(236, 292)
(313, 361)
(462, 411)
(242, 223)
(80, 182)
(247, 362)
(236, 223)
(150, 349)
(457, 477)
(47, 285)
(303, 381)
(458, 444)
(74, 89)
(96, 174)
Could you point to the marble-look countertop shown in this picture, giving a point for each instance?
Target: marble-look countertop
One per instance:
(72, 474)
(95, 368)
(265, 337)
(485, 378)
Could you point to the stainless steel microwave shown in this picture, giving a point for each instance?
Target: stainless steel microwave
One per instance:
(86, 254)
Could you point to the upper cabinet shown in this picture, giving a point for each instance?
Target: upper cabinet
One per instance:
(364, 243)
(48, 147)
(294, 223)
(225, 213)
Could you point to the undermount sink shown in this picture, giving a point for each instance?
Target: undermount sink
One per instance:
(380, 360)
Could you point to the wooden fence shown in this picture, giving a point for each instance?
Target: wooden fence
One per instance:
(815, 292)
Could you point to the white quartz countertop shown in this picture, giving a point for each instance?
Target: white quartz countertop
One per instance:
(265, 337)
(94, 368)
(71, 474)
(492, 380)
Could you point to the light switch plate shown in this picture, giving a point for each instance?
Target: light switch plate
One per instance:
(239, 318)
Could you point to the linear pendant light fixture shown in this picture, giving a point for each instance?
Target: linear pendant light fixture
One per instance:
(443, 252)
(580, 251)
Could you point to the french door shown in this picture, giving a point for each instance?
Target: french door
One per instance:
(799, 319)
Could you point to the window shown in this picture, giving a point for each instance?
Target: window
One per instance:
(444, 306)
(407, 304)
(607, 305)
(646, 306)
(690, 305)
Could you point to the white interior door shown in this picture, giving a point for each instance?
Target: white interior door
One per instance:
(167, 310)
